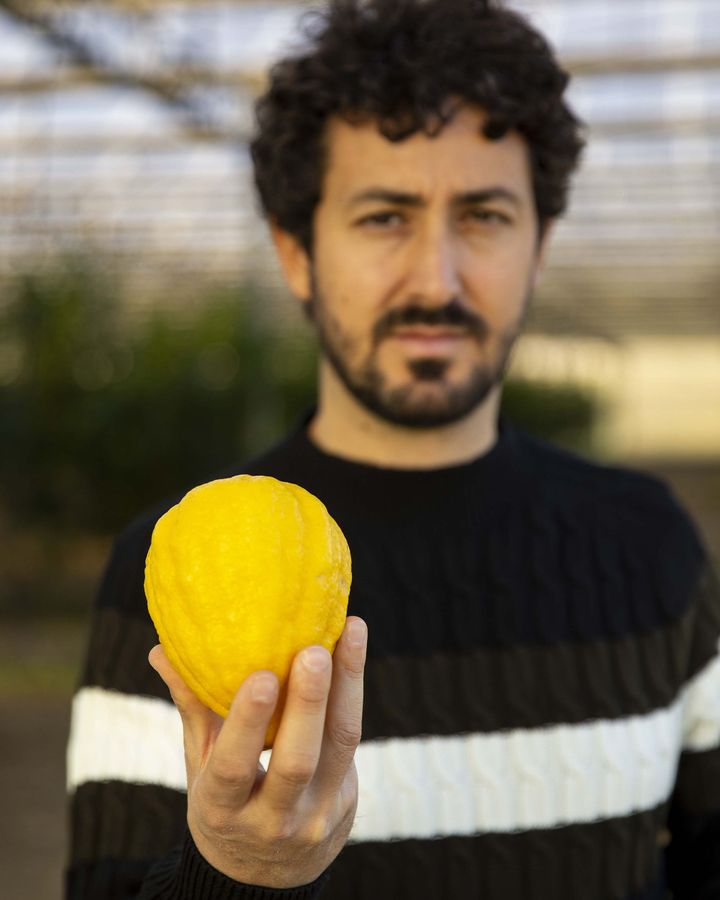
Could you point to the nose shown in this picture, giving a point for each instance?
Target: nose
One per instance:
(434, 275)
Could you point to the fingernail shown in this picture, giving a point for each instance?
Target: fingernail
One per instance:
(315, 659)
(263, 688)
(357, 632)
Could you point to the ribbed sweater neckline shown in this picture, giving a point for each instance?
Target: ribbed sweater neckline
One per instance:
(498, 474)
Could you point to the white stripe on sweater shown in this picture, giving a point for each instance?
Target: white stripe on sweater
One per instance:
(438, 786)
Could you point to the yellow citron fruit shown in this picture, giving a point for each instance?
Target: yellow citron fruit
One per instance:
(242, 574)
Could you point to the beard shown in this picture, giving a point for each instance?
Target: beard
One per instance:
(428, 399)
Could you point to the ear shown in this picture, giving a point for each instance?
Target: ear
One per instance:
(294, 261)
(542, 249)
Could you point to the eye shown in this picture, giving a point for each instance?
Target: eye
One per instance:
(384, 219)
(488, 216)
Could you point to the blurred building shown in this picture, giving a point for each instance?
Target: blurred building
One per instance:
(123, 132)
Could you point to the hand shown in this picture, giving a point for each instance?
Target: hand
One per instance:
(280, 828)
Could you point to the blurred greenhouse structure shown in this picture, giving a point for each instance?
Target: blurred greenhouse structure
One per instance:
(123, 134)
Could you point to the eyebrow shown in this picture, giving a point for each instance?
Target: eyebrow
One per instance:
(404, 198)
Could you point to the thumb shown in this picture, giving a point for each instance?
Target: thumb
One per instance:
(200, 724)
(181, 694)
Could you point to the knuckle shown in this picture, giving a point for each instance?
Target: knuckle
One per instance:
(229, 780)
(313, 691)
(296, 776)
(355, 670)
(216, 820)
(298, 770)
(282, 830)
(345, 734)
(354, 665)
(319, 830)
(303, 834)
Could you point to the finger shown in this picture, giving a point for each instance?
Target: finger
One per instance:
(200, 724)
(182, 696)
(343, 722)
(232, 766)
(299, 739)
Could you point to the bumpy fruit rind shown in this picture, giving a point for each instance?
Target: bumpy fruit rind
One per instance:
(242, 574)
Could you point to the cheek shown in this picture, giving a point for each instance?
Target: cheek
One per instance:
(500, 291)
(339, 302)
(353, 269)
(354, 294)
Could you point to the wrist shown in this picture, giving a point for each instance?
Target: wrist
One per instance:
(202, 879)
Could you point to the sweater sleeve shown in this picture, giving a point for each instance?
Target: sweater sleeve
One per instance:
(693, 855)
(125, 763)
(186, 875)
(182, 875)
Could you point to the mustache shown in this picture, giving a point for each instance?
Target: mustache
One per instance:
(453, 314)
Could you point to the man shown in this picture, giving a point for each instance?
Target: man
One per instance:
(542, 691)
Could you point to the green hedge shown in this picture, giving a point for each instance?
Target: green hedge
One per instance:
(100, 417)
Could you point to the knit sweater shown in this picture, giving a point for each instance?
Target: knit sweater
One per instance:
(542, 693)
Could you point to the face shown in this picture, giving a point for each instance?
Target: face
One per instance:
(424, 257)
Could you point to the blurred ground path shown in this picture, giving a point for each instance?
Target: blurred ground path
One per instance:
(32, 784)
(39, 661)
(38, 668)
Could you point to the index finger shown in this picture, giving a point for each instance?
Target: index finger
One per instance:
(232, 765)
(298, 743)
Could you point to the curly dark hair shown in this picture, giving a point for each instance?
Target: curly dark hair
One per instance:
(399, 62)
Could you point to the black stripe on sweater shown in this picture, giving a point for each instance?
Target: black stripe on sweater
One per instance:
(480, 691)
(114, 819)
(608, 860)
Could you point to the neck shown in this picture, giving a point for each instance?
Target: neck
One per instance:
(343, 427)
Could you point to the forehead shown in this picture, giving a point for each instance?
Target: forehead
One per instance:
(458, 159)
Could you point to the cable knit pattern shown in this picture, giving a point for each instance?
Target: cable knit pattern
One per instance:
(542, 692)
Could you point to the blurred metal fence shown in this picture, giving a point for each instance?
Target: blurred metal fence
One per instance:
(124, 127)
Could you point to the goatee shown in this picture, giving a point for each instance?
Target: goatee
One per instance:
(415, 404)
